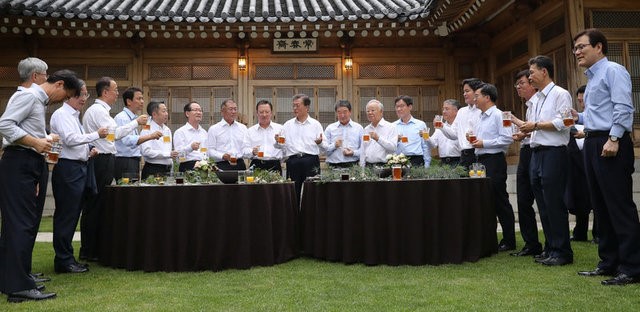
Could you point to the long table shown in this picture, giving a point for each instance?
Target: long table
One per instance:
(411, 222)
(198, 227)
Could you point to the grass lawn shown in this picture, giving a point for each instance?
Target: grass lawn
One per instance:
(498, 283)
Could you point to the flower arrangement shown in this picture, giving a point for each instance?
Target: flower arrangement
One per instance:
(205, 171)
(397, 159)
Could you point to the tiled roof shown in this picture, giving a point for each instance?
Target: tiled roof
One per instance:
(220, 11)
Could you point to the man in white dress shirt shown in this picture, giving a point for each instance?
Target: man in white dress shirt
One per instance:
(342, 138)
(448, 150)
(260, 142)
(158, 154)
(380, 136)
(226, 138)
(96, 117)
(189, 138)
(549, 160)
(303, 136)
(466, 119)
(69, 178)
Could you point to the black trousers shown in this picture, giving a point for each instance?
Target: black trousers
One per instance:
(93, 207)
(496, 167)
(68, 181)
(151, 169)
(467, 157)
(450, 161)
(225, 165)
(187, 165)
(126, 165)
(526, 213)
(416, 160)
(301, 167)
(23, 187)
(611, 187)
(578, 203)
(549, 181)
(343, 165)
(271, 165)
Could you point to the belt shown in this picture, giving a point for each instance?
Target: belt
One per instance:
(545, 148)
(16, 148)
(157, 165)
(414, 156)
(449, 159)
(300, 155)
(485, 156)
(467, 152)
(527, 146)
(77, 161)
(593, 134)
(131, 157)
(265, 161)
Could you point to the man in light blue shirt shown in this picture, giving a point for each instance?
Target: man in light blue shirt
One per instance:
(410, 142)
(491, 145)
(342, 143)
(608, 152)
(128, 148)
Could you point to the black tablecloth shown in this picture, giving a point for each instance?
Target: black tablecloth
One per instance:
(399, 222)
(198, 227)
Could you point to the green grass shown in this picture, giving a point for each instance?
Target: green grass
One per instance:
(498, 283)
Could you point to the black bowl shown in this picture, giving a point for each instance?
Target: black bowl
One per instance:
(228, 176)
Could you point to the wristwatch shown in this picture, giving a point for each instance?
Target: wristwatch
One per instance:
(613, 138)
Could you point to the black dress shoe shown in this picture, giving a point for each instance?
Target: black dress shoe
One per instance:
(70, 268)
(506, 247)
(541, 256)
(40, 287)
(597, 272)
(526, 251)
(39, 279)
(31, 294)
(555, 261)
(36, 274)
(621, 280)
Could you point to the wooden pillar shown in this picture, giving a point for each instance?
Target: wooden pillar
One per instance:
(574, 11)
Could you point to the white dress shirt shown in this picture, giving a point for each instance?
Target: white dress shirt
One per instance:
(185, 136)
(351, 136)
(529, 117)
(223, 138)
(265, 138)
(547, 106)
(65, 122)
(446, 147)
(467, 118)
(377, 151)
(97, 116)
(157, 151)
(300, 136)
(495, 138)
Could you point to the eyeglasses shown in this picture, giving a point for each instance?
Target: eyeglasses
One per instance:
(46, 76)
(579, 47)
(195, 110)
(520, 84)
(84, 95)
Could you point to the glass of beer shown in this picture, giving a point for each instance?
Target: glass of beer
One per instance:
(166, 138)
(404, 139)
(567, 118)
(437, 121)
(281, 139)
(250, 178)
(179, 177)
(396, 172)
(146, 126)
(471, 136)
(366, 137)
(260, 152)
(506, 119)
(111, 135)
(54, 153)
(182, 156)
(424, 133)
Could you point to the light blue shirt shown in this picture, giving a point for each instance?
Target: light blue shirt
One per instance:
(495, 138)
(415, 145)
(351, 135)
(24, 115)
(127, 146)
(608, 103)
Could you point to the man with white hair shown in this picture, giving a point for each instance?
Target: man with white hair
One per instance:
(380, 136)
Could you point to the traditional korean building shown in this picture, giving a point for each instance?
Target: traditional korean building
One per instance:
(248, 50)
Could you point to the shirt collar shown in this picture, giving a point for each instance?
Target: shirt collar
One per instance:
(191, 127)
(129, 113)
(595, 67)
(490, 111)
(103, 104)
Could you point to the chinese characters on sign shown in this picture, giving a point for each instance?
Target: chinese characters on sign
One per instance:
(295, 45)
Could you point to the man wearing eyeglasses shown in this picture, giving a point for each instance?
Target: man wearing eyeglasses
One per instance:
(128, 148)
(189, 138)
(70, 178)
(608, 121)
(96, 117)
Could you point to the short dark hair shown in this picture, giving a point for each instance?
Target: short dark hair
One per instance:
(473, 83)
(581, 89)
(407, 100)
(595, 37)
(153, 107)
(342, 103)
(187, 108)
(262, 102)
(305, 99)
(69, 78)
(522, 73)
(224, 103)
(129, 93)
(102, 84)
(543, 61)
(490, 90)
(453, 102)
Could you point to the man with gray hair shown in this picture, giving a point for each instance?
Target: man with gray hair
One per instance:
(342, 144)
(32, 70)
(448, 150)
(380, 136)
